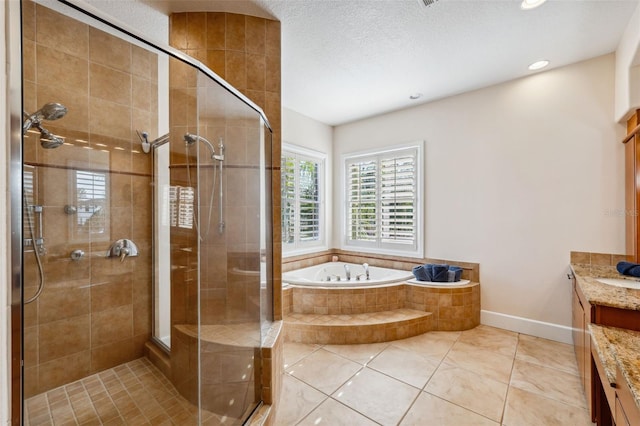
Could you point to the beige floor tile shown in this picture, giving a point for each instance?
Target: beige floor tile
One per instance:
(500, 341)
(332, 413)
(549, 382)
(379, 397)
(485, 362)
(294, 352)
(547, 353)
(434, 344)
(296, 401)
(528, 409)
(405, 365)
(324, 370)
(469, 390)
(433, 411)
(362, 354)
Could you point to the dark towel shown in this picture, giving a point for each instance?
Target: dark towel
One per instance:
(455, 273)
(440, 273)
(421, 273)
(628, 268)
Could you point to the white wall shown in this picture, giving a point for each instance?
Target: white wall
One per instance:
(628, 69)
(517, 176)
(298, 129)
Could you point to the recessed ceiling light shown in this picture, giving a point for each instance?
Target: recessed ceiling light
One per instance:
(415, 96)
(531, 4)
(538, 65)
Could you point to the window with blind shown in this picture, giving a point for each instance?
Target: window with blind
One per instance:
(91, 203)
(302, 173)
(383, 200)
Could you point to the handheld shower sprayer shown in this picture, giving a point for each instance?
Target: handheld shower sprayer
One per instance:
(190, 139)
(50, 111)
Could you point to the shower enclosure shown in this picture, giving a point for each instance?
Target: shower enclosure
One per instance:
(146, 190)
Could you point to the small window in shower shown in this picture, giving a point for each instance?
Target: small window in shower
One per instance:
(181, 200)
(91, 216)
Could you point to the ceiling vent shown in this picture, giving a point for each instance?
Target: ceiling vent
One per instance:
(427, 3)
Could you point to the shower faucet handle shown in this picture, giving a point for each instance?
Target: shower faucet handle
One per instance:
(123, 248)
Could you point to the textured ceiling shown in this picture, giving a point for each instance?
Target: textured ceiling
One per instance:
(349, 59)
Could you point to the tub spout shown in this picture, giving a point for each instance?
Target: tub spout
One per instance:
(366, 270)
(347, 272)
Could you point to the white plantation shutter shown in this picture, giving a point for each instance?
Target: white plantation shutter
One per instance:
(302, 200)
(309, 200)
(363, 193)
(397, 199)
(288, 190)
(382, 199)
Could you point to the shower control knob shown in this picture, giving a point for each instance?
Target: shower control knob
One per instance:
(76, 255)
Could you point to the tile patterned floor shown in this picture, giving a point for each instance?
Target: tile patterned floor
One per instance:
(485, 376)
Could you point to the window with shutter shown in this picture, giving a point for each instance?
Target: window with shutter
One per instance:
(382, 197)
(302, 195)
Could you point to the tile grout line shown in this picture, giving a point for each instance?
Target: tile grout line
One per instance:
(506, 395)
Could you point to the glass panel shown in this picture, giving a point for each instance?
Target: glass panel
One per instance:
(198, 280)
(229, 155)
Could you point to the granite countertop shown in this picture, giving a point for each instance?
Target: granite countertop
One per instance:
(603, 294)
(603, 347)
(619, 348)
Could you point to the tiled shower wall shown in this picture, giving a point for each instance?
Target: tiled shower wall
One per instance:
(245, 51)
(94, 313)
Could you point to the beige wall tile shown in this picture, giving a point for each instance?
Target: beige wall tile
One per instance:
(110, 355)
(178, 30)
(235, 32)
(64, 337)
(110, 85)
(236, 69)
(580, 257)
(106, 119)
(57, 372)
(196, 30)
(111, 325)
(111, 294)
(109, 50)
(216, 29)
(603, 259)
(61, 32)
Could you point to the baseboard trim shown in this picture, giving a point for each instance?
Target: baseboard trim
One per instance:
(546, 330)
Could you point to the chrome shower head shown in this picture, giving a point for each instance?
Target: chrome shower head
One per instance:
(190, 139)
(48, 140)
(50, 111)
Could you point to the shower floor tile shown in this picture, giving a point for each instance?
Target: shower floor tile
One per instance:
(135, 393)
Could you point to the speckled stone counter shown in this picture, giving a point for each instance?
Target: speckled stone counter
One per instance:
(619, 348)
(603, 294)
(602, 345)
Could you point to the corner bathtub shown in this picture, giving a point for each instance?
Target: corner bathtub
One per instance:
(316, 276)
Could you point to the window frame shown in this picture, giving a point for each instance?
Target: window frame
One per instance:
(409, 250)
(299, 247)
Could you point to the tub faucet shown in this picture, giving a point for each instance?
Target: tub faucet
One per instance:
(347, 272)
(366, 270)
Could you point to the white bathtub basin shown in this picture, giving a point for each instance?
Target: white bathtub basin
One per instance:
(620, 282)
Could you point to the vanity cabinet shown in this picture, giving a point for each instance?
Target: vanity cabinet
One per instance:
(581, 311)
